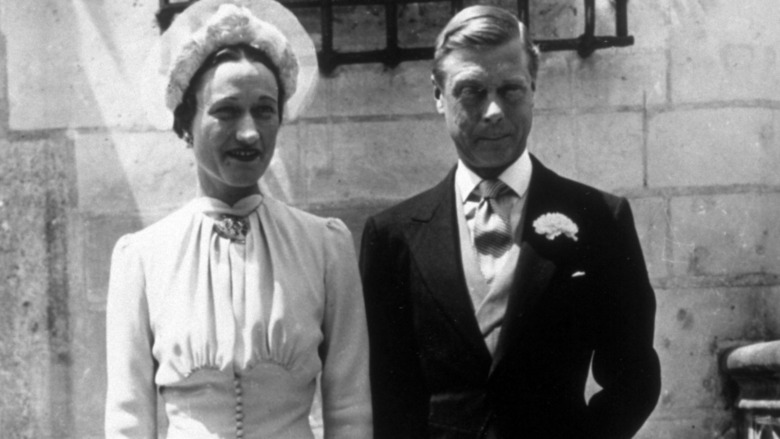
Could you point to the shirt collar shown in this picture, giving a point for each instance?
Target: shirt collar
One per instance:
(213, 206)
(517, 176)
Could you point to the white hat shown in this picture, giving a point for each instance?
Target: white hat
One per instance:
(208, 25)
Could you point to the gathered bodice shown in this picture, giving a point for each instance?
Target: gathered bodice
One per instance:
(223, 305)
(239, 331)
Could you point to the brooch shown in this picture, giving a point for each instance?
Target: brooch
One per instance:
(553, 224)
(232, 227)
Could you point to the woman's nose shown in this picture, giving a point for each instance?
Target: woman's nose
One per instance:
(246, 131)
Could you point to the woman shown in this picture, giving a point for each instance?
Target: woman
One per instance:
(229, 308)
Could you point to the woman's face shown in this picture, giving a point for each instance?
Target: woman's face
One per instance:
(234, 128)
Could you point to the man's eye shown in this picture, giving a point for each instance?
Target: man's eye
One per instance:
(514, 93)
(472, 93)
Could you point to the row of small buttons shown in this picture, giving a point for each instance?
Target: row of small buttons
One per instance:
(239, 408)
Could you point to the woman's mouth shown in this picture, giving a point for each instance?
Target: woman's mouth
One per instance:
(244, 154)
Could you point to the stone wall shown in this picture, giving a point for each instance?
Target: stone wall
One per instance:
(686, 123)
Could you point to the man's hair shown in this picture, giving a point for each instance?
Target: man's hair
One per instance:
(185, 112)
(478, 27)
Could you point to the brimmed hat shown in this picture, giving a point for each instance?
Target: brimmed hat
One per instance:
(208, 25)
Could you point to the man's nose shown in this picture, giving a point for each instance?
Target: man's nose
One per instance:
(493, 111)
(246, 130)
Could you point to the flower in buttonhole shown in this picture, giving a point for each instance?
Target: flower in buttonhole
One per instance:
(551, 225)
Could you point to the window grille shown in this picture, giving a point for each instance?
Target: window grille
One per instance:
(393, 53)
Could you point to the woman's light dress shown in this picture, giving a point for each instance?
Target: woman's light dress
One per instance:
(233, 335)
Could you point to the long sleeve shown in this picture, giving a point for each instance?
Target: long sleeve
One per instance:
(399, 394)
(131, 397)
(345, 385)
(625, 363)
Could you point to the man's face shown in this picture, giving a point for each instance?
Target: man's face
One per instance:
(487, 100)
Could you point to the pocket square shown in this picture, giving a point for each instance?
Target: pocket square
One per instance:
(578, 274)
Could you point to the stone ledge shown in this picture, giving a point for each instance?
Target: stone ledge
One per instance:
(755, 369)
(759, 358)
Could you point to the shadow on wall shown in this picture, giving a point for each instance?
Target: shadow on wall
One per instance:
(71, 184)
(126, 177)
(130, 172)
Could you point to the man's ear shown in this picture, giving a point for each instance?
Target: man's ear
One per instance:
(437, 96)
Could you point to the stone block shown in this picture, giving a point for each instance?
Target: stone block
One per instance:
(133, 172)
(622, 76)
(690, 424)
(363, 27)
(35, 194)
(24, 342)
(619, 77)
(652, 226)
(692, 327)
(558, 19)
(152, 173)
(76, 64)
(100, 234)
(722, 51)
(648, 22)
(729, 236)
(554, 85)
(771, 312)
(4, 99)
(375, 90)
(359, 27)
(375, 160)
(600, 149)
(609, 150)
(284, 178)
(722, 146)
(552, 140)
(88, 372)
(608, 78)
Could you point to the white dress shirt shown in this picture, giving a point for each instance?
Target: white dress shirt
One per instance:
(490, 298)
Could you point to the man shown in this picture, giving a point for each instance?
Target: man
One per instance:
(491, 295)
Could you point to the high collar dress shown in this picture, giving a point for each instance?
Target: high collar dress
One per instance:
(232, 336)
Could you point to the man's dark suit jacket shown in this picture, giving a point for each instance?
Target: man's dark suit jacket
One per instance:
(572, 303)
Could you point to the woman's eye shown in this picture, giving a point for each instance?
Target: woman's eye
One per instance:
(225, 113)
(263, 111)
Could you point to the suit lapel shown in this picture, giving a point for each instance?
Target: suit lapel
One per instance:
(532, 277)
(435, 246)
(534, 269)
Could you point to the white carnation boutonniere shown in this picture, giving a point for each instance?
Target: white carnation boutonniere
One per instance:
(553, 224)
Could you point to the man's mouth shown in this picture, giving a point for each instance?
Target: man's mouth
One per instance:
(494, 138)
(244, 154)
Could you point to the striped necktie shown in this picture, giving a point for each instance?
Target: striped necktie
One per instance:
(492, 233)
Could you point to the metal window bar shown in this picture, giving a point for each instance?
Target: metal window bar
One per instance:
(329, 57)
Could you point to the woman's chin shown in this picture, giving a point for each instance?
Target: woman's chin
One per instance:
(247, 175)
(244, 185)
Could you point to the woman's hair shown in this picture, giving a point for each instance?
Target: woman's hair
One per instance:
(184, 113)
(479, 27)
